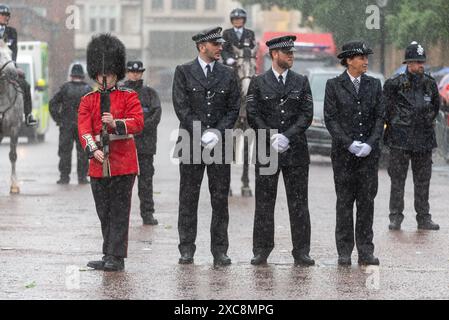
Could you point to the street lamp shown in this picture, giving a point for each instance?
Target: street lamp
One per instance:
(382, 4)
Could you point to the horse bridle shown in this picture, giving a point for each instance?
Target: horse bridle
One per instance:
(5, 65)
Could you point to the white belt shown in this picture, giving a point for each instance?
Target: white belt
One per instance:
(115, 137)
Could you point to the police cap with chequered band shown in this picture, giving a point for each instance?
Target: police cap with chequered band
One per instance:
(284, 43)
(354, 48)
(209, 35)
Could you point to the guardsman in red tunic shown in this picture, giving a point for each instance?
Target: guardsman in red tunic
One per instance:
(107, 120)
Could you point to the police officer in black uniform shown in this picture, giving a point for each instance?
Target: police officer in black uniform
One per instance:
(146, 141)
(412, 104)
(9, 35)
(281, 99)
(354, 115)
(64, 111)
(205, 97)
(237, 36)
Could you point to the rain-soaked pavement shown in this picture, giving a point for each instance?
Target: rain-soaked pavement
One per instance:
(49, 232)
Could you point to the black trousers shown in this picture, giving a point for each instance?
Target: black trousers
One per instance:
(422, 172)
(356, 180)
(219, 177)
(67, 136)
(296, 180)
(113, 203)
(145, 184)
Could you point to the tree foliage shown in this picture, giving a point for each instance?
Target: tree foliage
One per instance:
(406, 20)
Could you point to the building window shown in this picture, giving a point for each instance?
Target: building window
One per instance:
(183, 4)
(210, 5)
(112, 25)
(157, 5)
(93, 25)
(102, 18)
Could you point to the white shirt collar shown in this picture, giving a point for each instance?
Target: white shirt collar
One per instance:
(284, 74)
(203, 65)
(352, 78)
(238, 29)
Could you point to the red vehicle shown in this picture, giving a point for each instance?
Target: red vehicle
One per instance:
(314, 50)
(443, 87)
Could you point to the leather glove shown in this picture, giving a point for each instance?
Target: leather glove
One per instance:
(355, 147)
(230, 61)
(209, 140)
(365, 151)
(280, 142)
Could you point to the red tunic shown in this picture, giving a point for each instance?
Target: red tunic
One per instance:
(125, 107)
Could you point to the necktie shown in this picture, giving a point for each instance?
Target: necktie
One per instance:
(208, 71)
(356, 83)
(281, 80)
(239, 34)
(2, 30)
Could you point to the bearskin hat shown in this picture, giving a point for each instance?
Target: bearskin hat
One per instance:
(114, 53)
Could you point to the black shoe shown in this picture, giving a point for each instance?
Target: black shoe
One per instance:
(30, 121)
(304, 260)
(395, 221)
(370, 260)
(114, 264)
(344, 261)
(222, 260)
(97, 264)
(83, 180)
(63, 180)
(150, 221)
(259, 259)
(186, 258)
(428, 225)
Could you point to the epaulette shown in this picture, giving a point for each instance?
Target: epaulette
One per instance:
(125, 89)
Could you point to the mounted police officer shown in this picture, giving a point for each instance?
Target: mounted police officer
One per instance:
(412, 104)
(107, 120)
(64, 111)
(7, 33)
(9, 36)
(146, 141)
(206, 99)
(237, 36)
(354, 115)
(281, 99)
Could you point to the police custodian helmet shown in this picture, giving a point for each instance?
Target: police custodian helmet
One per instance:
(106, 54)
(77, 71)
(415, 52)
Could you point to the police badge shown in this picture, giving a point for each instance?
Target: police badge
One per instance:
(420, 50)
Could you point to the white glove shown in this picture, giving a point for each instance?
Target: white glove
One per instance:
(355, 147)
(230, 61)
(280, 142)
(209, 140)
(365, 151)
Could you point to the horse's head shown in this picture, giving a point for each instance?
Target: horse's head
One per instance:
(246, 61)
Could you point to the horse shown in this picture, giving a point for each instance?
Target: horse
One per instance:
(11, 109)
(245, 67)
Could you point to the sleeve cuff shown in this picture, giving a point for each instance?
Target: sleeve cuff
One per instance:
(121, 128)
(91, 146)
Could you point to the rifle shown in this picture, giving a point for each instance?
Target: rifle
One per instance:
(105, 106)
